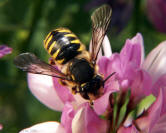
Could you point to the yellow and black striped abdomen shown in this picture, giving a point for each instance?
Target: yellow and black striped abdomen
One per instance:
(63, 45)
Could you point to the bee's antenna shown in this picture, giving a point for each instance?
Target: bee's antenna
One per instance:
(109, 77)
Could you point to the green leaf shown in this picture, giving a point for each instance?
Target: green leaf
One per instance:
(123, 109)
(115, 109)
(145, 104)
(140, 108)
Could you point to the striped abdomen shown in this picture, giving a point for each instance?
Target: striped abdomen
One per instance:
(63, 45)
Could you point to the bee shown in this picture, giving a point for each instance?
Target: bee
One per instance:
(70, 61)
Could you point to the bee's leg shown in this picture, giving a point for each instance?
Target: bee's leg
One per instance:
(91, 102)
(51, 61)
(62, 82)
(74, 90)
(91, 98)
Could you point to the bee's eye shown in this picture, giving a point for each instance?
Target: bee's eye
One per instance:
(85, 86)
(82, 89)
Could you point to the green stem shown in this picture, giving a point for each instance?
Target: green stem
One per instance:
(115, 109)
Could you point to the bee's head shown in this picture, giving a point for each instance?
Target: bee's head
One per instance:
(91, 87)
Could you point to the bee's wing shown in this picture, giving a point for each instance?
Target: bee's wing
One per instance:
(30, 63)
(100, 20)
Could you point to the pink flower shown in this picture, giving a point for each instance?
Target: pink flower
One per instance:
(46, 127)
(145, 80)
(1, 126)
(156, 13)
(76, 112)
(4, 50)
(133, 99)
(82, 120)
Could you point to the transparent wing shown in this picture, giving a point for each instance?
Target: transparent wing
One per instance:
(100, 20)
(30, 63)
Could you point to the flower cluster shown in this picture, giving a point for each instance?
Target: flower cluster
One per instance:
(133, 99)
(4, 50)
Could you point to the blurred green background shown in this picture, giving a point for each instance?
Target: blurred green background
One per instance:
(24, 25)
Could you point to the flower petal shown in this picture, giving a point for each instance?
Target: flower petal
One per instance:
(1, 126)
(79, 100)
(124, 73)
(131, 129)
(4, 50)
(145, 123)
(103, 64)
(45, 127)
(105, 68)
(87, 121)
(63, 92)
(141, 85)
(160, 126)
(110, 86)
(155, 62)
(132, 52)
(127, 63)
(102, 103)
(160, 83)
(138, 39)
(67, 117)
(107, 47)
(42, 88)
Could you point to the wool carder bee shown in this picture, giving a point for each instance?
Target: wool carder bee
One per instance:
(70, 61)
